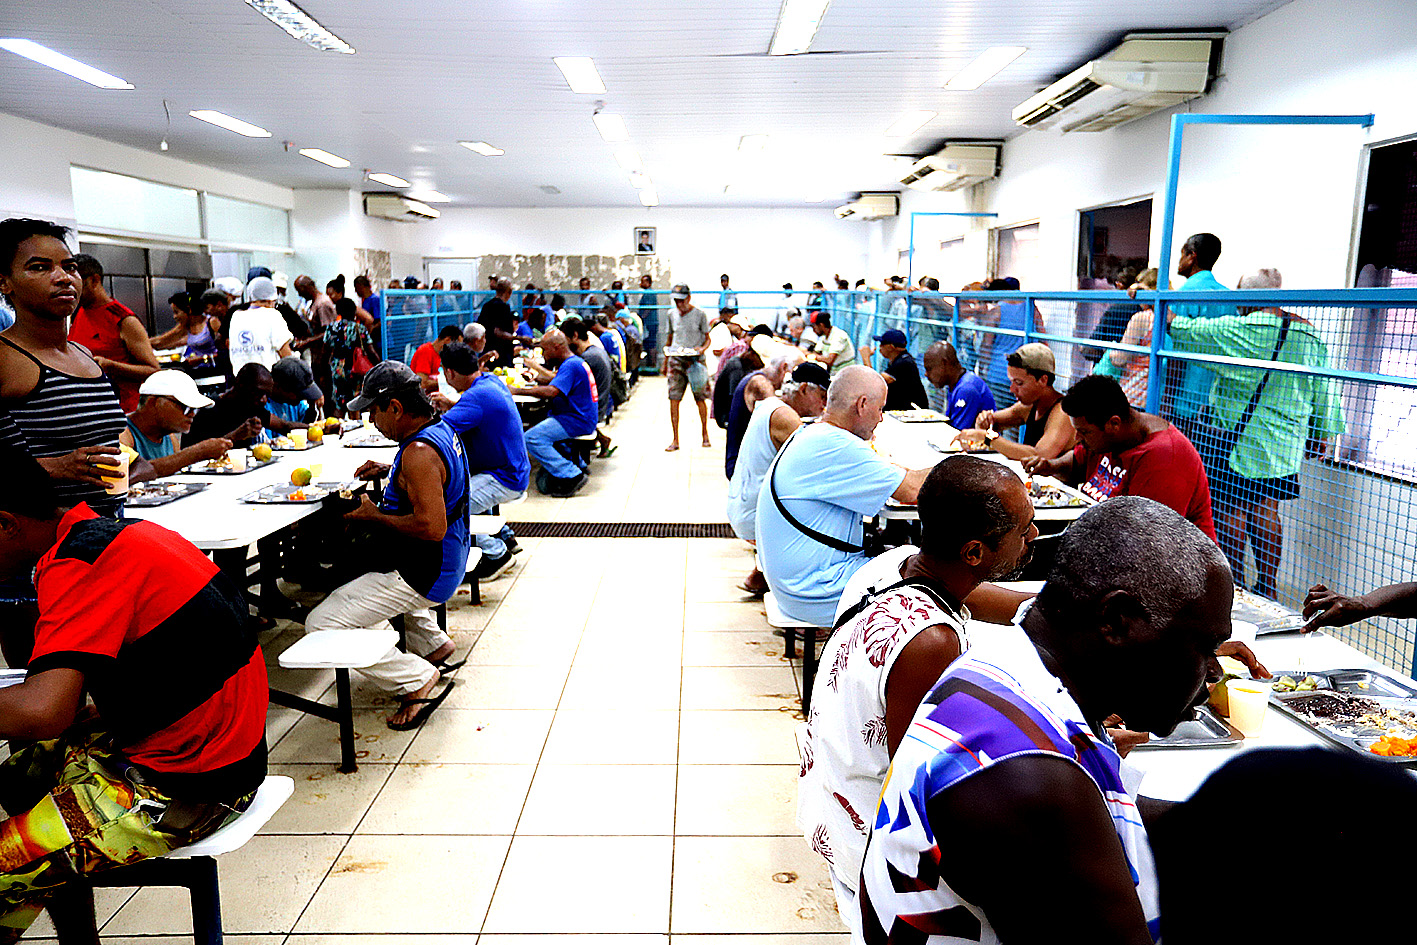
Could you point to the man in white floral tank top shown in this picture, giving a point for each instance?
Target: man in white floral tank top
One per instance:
(976, 525)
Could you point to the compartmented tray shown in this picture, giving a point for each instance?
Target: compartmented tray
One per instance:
(299, 495)
(1265, 614)
(919, 415)
(1206, 730)
(207, 469)
(1048, 493)
(375, 441)
(146, 495)
(287, 445)
(1353, 708)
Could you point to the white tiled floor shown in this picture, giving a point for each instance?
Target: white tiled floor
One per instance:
(616, 761)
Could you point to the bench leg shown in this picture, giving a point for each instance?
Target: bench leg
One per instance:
(346, 722)
(206, 901)
(71, 909)
(809, 667)
(789, 637)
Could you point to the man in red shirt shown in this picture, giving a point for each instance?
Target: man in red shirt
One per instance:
(115, 336)
(427, 361)
(174, 742)
(1123, 451)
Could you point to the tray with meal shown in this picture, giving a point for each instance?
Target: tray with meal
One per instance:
(918, 415)
(1265, 614)
(678, 351)
(286, 444)
(1048, 493)
(1364, 710)
(145, 495)
(1205, 730)
(296, 495)
(371, 440)
(225, 467)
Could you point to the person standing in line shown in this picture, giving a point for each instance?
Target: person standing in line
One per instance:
(727, 300)
(371, 307)
(113, 335)
(1191, 397)
(688, 331)
(649, 318)
(258, 333)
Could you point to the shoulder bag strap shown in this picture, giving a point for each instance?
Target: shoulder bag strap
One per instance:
(873, 594)
(831, 542)
(1264, 381)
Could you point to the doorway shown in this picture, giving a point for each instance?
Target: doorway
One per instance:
(1111, 241)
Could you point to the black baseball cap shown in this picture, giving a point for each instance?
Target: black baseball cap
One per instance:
(761, 330)
(384, 378)
(892, 336)
(293, 376)
(810, 372)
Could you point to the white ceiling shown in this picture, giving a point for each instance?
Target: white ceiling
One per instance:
(688, 77)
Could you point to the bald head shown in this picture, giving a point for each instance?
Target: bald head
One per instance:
(554, 346)
(942, 366)
(305, 287)
(855, 400)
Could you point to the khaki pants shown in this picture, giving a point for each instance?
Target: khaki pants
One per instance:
(367, 603)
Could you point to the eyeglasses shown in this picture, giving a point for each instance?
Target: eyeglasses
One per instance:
(186, 411)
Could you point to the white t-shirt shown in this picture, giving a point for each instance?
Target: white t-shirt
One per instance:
(845, 757)
(257, 334)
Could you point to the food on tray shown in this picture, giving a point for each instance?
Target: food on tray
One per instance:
(332, 425)
(1334, 707)
(1288, 684)
(221, 462)
(346, 493)
(316, 434)
(283, 443)
(917, 415)
(298, 495)
(1391, 746)
(300, 476)
(1048, 496)
(262, 452)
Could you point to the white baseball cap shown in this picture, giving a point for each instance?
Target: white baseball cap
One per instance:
(230, 285)
(281, 280)
(178, 385)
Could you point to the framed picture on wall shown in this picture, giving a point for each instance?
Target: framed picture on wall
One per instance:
(645, 240)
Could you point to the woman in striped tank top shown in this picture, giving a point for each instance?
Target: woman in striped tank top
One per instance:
(55, 402)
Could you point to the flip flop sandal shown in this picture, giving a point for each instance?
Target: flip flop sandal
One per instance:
(425, 709)
(610, 452)
(443, 666)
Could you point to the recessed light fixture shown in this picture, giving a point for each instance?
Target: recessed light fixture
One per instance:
(324, 157)
(222, 120)
(752, 144)
(301, 25)
(796, 26)
(388, 179)
(909, 123)
(580, 74)
(48, 57)
(482, 147)
(640, 180)
(431, 196)
(649, 198)
(628, 158)
(611, 127)
(549, 189)
(985, 66)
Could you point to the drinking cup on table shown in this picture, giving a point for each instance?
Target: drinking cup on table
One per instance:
(297, 436)
(1249, 701)
(116, 473)
(238, 459)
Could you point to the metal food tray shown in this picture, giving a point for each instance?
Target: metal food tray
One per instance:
(1265, 614)
(281, 494)
(202, 469)
(170, 492)
(1387, 691)
(292, 448)
(917, 416)
(382, 443)
(1076, 500)
(1206, 730)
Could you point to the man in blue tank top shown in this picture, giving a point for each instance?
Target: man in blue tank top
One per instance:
(418, 544)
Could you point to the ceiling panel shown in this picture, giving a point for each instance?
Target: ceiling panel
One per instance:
(689, 78)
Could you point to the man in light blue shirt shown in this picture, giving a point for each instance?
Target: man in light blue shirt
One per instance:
(824, 479)
(1198, 255)
(727, 300)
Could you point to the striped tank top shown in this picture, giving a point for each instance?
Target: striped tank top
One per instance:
(62, 414)
(996, 702)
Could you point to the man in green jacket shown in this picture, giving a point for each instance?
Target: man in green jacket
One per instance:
(1248, 482)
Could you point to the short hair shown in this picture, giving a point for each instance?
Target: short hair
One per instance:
(455, 285)
(1097, 399)
(1148, 277)
(252, 376)
(787, 286)
(473, 331)
(1133, 544)
(997, 285)
(28, 490)
(362, 280)
(89, 267)
(16, 230)
(451, 332)
(503, 286)
(558, 301)
(459, 357)
(214, 297)
(724, 276)
(1015, 360)
(346, 308)
(932, 284)
(182, 300)
(960, 502)
(1266, 278)
(573, 327)
(1205, 247)
(1126, 275)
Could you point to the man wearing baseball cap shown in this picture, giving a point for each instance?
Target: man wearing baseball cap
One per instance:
(417, 554)
(1045, 429)
(689, 332)
(296, 396)
(167, 402)
(904, 390)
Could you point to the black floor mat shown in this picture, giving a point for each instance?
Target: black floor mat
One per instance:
(622, 529)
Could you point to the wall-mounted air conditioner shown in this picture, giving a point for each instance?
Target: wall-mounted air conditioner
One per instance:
(397, 207)
(870, 207)
(953, 167)
(1147, 72)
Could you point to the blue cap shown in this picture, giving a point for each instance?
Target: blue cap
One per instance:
(893, 336)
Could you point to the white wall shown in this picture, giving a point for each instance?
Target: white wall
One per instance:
(36, 159)
(1276, 196)
(760, 249)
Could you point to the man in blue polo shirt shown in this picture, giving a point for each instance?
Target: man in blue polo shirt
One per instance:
(571, 390)
(1198, 255)
(966, 393)
(486, 418)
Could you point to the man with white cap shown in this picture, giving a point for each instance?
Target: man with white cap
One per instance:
(167, 402)
(258, 334)
(232, 287)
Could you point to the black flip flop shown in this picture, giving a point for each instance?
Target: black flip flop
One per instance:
(426, 707)
(444, 667)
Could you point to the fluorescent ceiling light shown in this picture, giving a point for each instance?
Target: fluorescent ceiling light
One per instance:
(796, 26)
(985, 66)
(629, 159)
(388, 179)
(909, 123)
(649, 198)
(431, 196)
(222, 120)
(640, 180)
(482, 147)
(48, 57)
(580, 74)
(752, 144)
(324, 157)
(611, 126)
(301, 25)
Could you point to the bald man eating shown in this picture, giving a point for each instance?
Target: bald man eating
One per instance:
(824, 479)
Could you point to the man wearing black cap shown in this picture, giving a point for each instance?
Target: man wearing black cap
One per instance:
(242, 413)
(418, 554)
(904, 391)
(296, 397)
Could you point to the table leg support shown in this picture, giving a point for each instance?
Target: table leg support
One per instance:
(809, 668)
(346, 721)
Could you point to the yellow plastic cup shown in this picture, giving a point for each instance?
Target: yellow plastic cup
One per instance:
(1249, 702)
